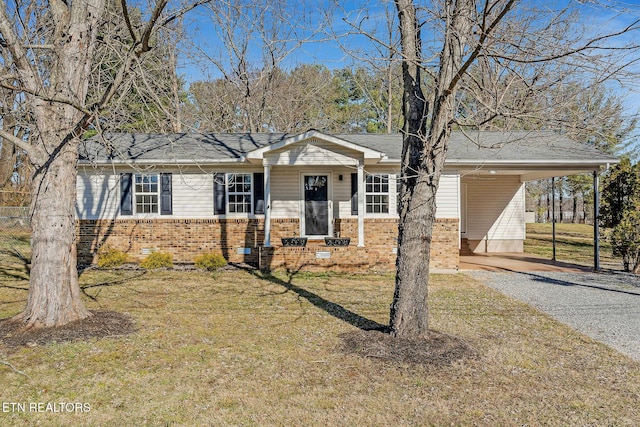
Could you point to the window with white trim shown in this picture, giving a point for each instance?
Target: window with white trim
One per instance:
(377, 193)
(146, 190)
(239, 193)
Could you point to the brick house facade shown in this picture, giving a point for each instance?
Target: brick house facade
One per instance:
(240, 194)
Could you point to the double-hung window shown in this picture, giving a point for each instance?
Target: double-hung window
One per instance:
(146, 191)
(237, 193)
(142, 193)
(377, 193)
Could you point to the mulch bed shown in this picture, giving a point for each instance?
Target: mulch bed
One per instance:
(436, 350)
(101, 324)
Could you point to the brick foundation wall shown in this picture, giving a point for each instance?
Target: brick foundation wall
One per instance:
(184, 238)
(187, 238)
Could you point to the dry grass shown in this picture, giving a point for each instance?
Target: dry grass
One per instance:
(233, 348)
(574, 244)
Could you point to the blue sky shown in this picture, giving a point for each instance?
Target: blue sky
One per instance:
(319, 19)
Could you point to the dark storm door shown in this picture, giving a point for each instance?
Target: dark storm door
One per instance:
(316, 205)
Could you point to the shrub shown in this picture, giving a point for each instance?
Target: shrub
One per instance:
(109, 257)
(210, 261)
(625, 240)
(157, 260)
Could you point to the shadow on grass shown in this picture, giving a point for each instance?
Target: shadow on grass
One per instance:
(14, 256)
(108, 283)
(332, 308)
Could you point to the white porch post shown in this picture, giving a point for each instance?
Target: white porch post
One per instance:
(596, 228)
(360, 204)
(267, 206)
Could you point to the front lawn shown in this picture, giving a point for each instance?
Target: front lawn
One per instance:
(236, 348)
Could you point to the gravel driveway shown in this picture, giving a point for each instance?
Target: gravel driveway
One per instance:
(604, 306)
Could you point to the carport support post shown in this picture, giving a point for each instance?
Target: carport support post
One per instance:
(553, 217)
(596, 229)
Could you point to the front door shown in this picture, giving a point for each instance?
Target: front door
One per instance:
(316, 205)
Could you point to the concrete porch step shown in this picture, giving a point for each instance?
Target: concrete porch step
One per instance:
(464, 248)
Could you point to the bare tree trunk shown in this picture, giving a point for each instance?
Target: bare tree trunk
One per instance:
(54, 293)
(408, 317)
(176, 118)
(389, 95)
(54, 297)
(54, 89)
(422, 162)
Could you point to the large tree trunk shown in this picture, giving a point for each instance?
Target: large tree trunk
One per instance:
(423, 160)
(408, 317)
(54, 293)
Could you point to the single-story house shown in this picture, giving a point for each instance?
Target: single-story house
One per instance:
(241, 194)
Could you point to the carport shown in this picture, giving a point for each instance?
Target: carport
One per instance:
(492, 197)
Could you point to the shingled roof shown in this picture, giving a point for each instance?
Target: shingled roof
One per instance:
(470, 148)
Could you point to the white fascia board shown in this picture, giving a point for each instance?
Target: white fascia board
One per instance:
(151, 162)
(533, 164)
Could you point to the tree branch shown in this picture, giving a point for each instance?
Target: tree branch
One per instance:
(20, 143)
(148, 30)
(18, 52)
(486, 31)
(182, 11)
(46, 98)
(127, 20)
(590, 45)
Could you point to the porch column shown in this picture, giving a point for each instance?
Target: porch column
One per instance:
(267, 206)
(596, 229)
(360, 204)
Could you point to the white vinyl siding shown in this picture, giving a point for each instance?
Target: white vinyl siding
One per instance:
(97, 195)
(313, 152)
(285, 192)
(447, 198)
(192, 195)
(495, 208)
(342, 192)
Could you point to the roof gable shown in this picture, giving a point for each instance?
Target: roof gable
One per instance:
(370, 155)
(307, 154)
